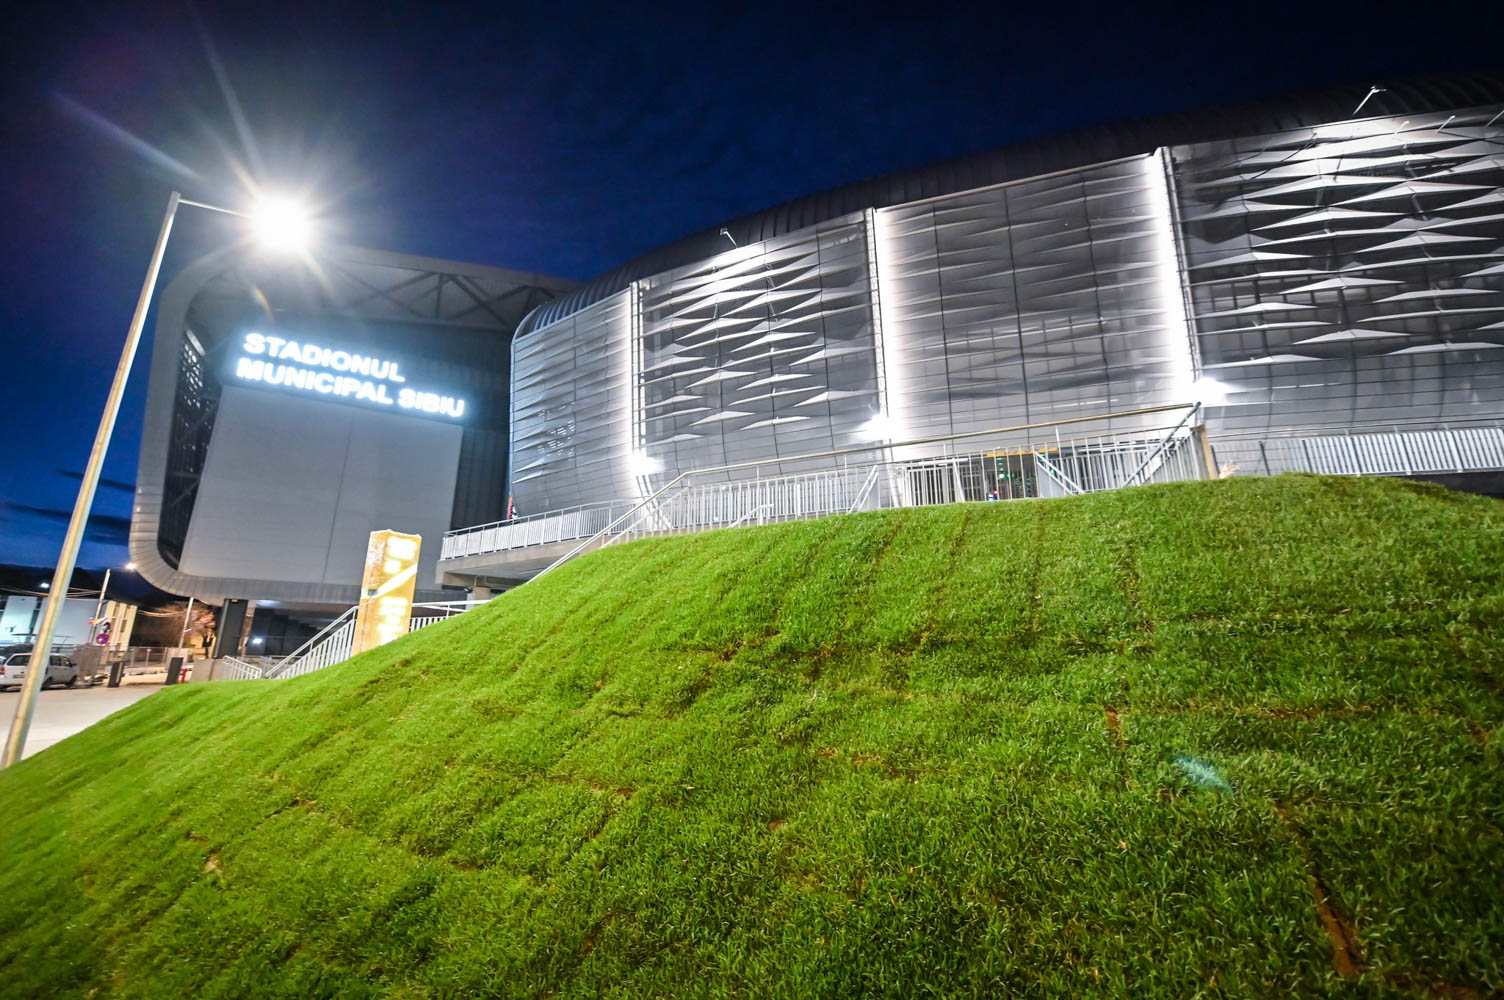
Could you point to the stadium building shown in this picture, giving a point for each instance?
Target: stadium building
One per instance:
(1313, 283)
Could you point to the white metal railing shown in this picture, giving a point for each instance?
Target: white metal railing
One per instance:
(1057, 475)
(1164, 454)
(236, 669)
(329, 647)
(1032, 464)
(1047, 466)
(335, 642)
(1368, 452)
(439, 612)
(534, 529)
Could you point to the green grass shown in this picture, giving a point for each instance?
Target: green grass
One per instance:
(1093, 747)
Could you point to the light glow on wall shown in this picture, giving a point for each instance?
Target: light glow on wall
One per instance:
(892, 423)
(641, 466)
(1180, 339)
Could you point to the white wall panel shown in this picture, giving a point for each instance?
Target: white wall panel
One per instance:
(292, 488)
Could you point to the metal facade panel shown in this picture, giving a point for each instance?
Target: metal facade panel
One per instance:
(1029, 302)
(758, 352)
(352, 472)
(571, 410)
(1349, 275)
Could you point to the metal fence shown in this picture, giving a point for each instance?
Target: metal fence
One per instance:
(331, 645)
(1059, 467)
(1370, 453)
(535, 529)
(1021, 463)
(1037, 462)
(436, 613)
(135, 660)
(335, 642)
(233, 668)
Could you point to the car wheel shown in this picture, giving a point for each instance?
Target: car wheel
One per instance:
(73, 681)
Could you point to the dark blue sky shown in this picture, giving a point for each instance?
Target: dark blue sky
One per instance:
(560, 138)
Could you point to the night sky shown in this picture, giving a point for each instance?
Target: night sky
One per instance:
(551, 137)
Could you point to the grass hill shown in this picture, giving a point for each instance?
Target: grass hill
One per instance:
(1236, 738)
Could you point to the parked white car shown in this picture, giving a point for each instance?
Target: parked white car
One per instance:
(60, 671)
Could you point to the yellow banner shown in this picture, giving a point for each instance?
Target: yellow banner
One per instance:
(386, 591)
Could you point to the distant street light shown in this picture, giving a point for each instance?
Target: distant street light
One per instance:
(277, 224)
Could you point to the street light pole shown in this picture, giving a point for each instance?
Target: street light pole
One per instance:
(41, 650)
(279, 224)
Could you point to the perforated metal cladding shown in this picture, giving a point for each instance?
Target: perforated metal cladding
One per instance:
(1349, 274)
(759, 352)
(1034, 301)
(571, 410)
(197, 403)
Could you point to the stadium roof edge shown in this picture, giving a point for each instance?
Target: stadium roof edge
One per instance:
(1043, 155)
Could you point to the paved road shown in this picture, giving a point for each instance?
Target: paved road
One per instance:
(62, 712)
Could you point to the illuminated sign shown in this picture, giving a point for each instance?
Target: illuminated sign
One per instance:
(386, 591)
(293, 364)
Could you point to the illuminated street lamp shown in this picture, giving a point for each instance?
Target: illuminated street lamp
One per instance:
(281, 224)
(99, 604)
(278, 225)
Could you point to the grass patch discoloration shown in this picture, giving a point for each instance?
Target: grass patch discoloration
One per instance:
(1233, 739)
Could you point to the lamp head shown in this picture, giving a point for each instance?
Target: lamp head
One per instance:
(281, 224)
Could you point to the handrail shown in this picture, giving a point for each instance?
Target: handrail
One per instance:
(303, 649)
(244, 670)
(866, 490)
(1163, 444)
(526, 518)
(782, 460)
(607, 529)
(1058, 474)
(755, 510)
